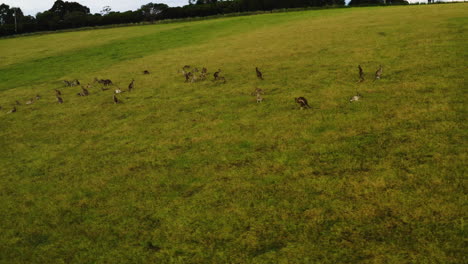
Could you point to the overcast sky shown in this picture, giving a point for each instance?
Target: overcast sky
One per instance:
(31, 7)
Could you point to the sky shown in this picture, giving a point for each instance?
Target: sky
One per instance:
(32, 7)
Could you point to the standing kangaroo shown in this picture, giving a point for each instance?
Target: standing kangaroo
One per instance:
(259, 98)
(378, 73)
(361, 74)
(216, 74)
(131, 85)
(259, 73)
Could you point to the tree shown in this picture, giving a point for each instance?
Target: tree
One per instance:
(398, 2)
(4, 13)
(152, 11)
(106, 10)
(62, 8)
(366, 2)
(74, 19)
(47, 20)
(202, 2)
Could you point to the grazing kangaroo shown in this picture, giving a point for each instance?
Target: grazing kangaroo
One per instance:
(203, 73)
(259, 98)
(194, 78)
(378, 73)
(57, 92)
(355, 98)
(59, 99)
(202, 76)
(104, 82)
(145, 72)
(116, 100)
(216, 75)
(13, 110)
(131, 85)
(84, 91)
(30, 101)
(361, 74)
(259, 73)
(75, 83)
(302, 102)
(38, 97)
(188, 76)
(67, 83)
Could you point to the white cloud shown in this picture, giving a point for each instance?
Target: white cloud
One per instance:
(31, 7)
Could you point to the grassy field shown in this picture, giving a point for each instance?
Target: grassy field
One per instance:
(201, 173)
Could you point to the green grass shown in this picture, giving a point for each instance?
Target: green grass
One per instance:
(200, 173)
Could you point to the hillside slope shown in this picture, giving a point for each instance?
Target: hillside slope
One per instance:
(201, 173)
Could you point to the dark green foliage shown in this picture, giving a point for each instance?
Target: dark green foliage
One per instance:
(151, 12)
(65, 15)
(63, 8)
(377, 2)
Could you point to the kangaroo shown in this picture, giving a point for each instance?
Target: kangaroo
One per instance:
(361, 74)
(146, 72)
(194, 78)
(117, 91)
(378, 73)
(216, 74)
(116, 100)
(57, 92)
(107, 82)
(302, 102)
(84, 91)
(75, 83)
(38, 97)
(59, 99)
(104, 82)
(30, 101)
(188, 76)
(13, 110)
(259, 98)
(355, 98)
(259, 73)
(131, 85)
(202, 76)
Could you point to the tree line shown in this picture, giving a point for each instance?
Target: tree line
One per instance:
(65, 15)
